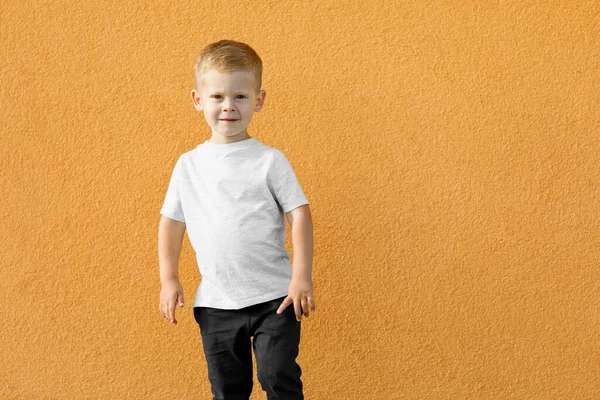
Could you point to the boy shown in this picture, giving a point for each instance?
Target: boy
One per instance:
(233, 194)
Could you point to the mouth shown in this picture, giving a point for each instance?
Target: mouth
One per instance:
(229, 120)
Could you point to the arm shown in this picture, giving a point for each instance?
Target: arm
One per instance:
(170, 238)
(300, 291)
(302, 240)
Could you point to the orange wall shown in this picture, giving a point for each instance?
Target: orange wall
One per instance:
(450, 154)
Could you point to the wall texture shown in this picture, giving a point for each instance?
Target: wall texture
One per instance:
(450, 153)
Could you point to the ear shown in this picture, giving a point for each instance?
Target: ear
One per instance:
(260, 100)
(196, 99)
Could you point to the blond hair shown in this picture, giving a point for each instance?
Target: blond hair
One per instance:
(227, 56)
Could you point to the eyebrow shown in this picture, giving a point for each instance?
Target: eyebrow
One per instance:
(219, 92)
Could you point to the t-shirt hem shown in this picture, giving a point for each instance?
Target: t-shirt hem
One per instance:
(242, 304)
(172, 216)
(295, 205)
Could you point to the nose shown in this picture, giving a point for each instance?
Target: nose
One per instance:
(228, 106)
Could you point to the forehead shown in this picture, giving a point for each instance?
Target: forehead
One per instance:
(214, 80)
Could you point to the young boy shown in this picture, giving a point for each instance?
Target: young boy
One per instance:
(233, 194)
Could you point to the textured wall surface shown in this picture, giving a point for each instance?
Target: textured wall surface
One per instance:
(450, 153)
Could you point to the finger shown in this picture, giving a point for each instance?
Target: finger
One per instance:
(171, 311)
(298, 310)
(305, 307)
(286, 302)
(180, 298)
(312, 303)
(283, 306)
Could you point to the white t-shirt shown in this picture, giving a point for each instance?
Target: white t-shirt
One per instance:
(233, 198)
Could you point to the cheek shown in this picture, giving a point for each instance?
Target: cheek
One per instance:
(209, 115)
(211, 112)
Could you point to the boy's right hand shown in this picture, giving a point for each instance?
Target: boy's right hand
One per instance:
(170, 294)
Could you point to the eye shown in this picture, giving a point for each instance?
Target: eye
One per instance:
(216, 95)
(242, 96)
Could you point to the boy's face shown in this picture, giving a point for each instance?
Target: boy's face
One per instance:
(228, 101)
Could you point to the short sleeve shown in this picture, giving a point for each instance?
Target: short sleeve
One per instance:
(172, 204)
(284, 184)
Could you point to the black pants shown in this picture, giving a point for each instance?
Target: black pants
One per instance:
(227, 346)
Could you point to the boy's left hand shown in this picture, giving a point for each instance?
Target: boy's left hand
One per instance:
(300, 294)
